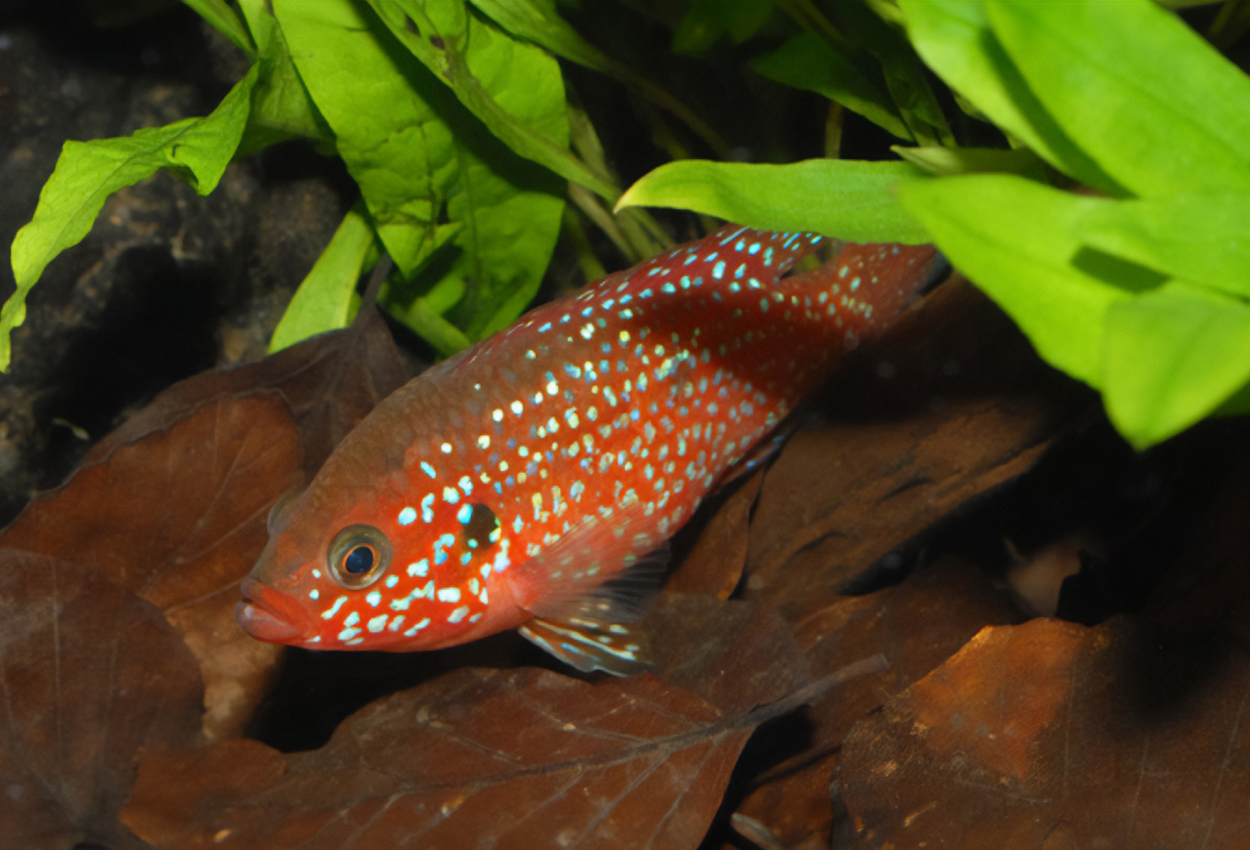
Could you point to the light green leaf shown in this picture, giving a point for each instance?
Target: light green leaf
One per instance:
(954, 39)
(840, 198)
(1204, 237)
(945, 162)
(430, 173)
(324, 299)
(1172, 357)
(1014, 239)
(225, 21)
(195, 149)
(281, 107)
(432, 31)
(809, 62)
(1156, 106)
(539, 21)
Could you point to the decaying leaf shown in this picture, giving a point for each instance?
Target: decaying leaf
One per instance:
(178, 517)
(916, 625)
(957, 406)
(719, 556)
(1055, 734)
(519, 758)
(89, 674)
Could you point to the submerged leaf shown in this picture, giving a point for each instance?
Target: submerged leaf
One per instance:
(196, 149)
(90, 674)
(1051, 733)
(844, 199)
(520, 758)
(178, 517)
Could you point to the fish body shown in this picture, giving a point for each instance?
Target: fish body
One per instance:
(522, 483)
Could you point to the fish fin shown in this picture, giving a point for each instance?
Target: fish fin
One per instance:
(590, 644)
(608, 561)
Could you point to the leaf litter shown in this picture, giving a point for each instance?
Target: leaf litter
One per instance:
(948, 406)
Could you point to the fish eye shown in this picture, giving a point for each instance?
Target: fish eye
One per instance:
(358, 556)
(481, 526)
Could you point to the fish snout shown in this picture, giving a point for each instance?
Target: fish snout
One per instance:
(261, 616)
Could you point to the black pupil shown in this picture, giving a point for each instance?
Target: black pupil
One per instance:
(482, 523)
(359, 560)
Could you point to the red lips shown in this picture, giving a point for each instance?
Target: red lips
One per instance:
(259, 617)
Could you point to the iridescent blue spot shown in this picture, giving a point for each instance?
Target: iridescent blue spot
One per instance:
(407, 516)
(740, 271)
(668, 289)
(718, 270)
(427, 469)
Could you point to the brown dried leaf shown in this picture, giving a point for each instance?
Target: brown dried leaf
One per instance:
(719, 556)
(966, 406)
(917, 625)
(89, 674)
(518, 758)
(329, 382)
(1050, 734)
(178, 517)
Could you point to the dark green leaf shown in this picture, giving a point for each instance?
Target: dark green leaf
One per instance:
(809, 62)
(945, 162)
(225, 21)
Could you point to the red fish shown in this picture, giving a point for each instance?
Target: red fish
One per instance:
(522, 483)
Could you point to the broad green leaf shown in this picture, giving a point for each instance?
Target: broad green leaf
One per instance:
(324, 299)
(430, 173)
(436, 34)
(809, 62)
(1156, 106)
(281, 107)
(844, 199)
(1172, 356)
(1014, 238)
(954, 39)
(225, 21)
(195, 149)
(945, 162)
(1204, 238)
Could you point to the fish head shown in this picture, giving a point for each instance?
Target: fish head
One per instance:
(390, 571)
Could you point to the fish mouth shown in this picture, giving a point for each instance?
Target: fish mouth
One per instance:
(259, 617)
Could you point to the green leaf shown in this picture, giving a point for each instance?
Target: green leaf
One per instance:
(323, 301)
(705, 21)
(904, 74)
(433, 177)
(281, 106)
(195, 149)
(809, 62)
(954, 39)
(1203, 237)
(539, 21)
(840, 198)
(433, 30)
(1156, 106)
(225, 21)
(945, 162)
(1172, 357)
(1014, 238)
